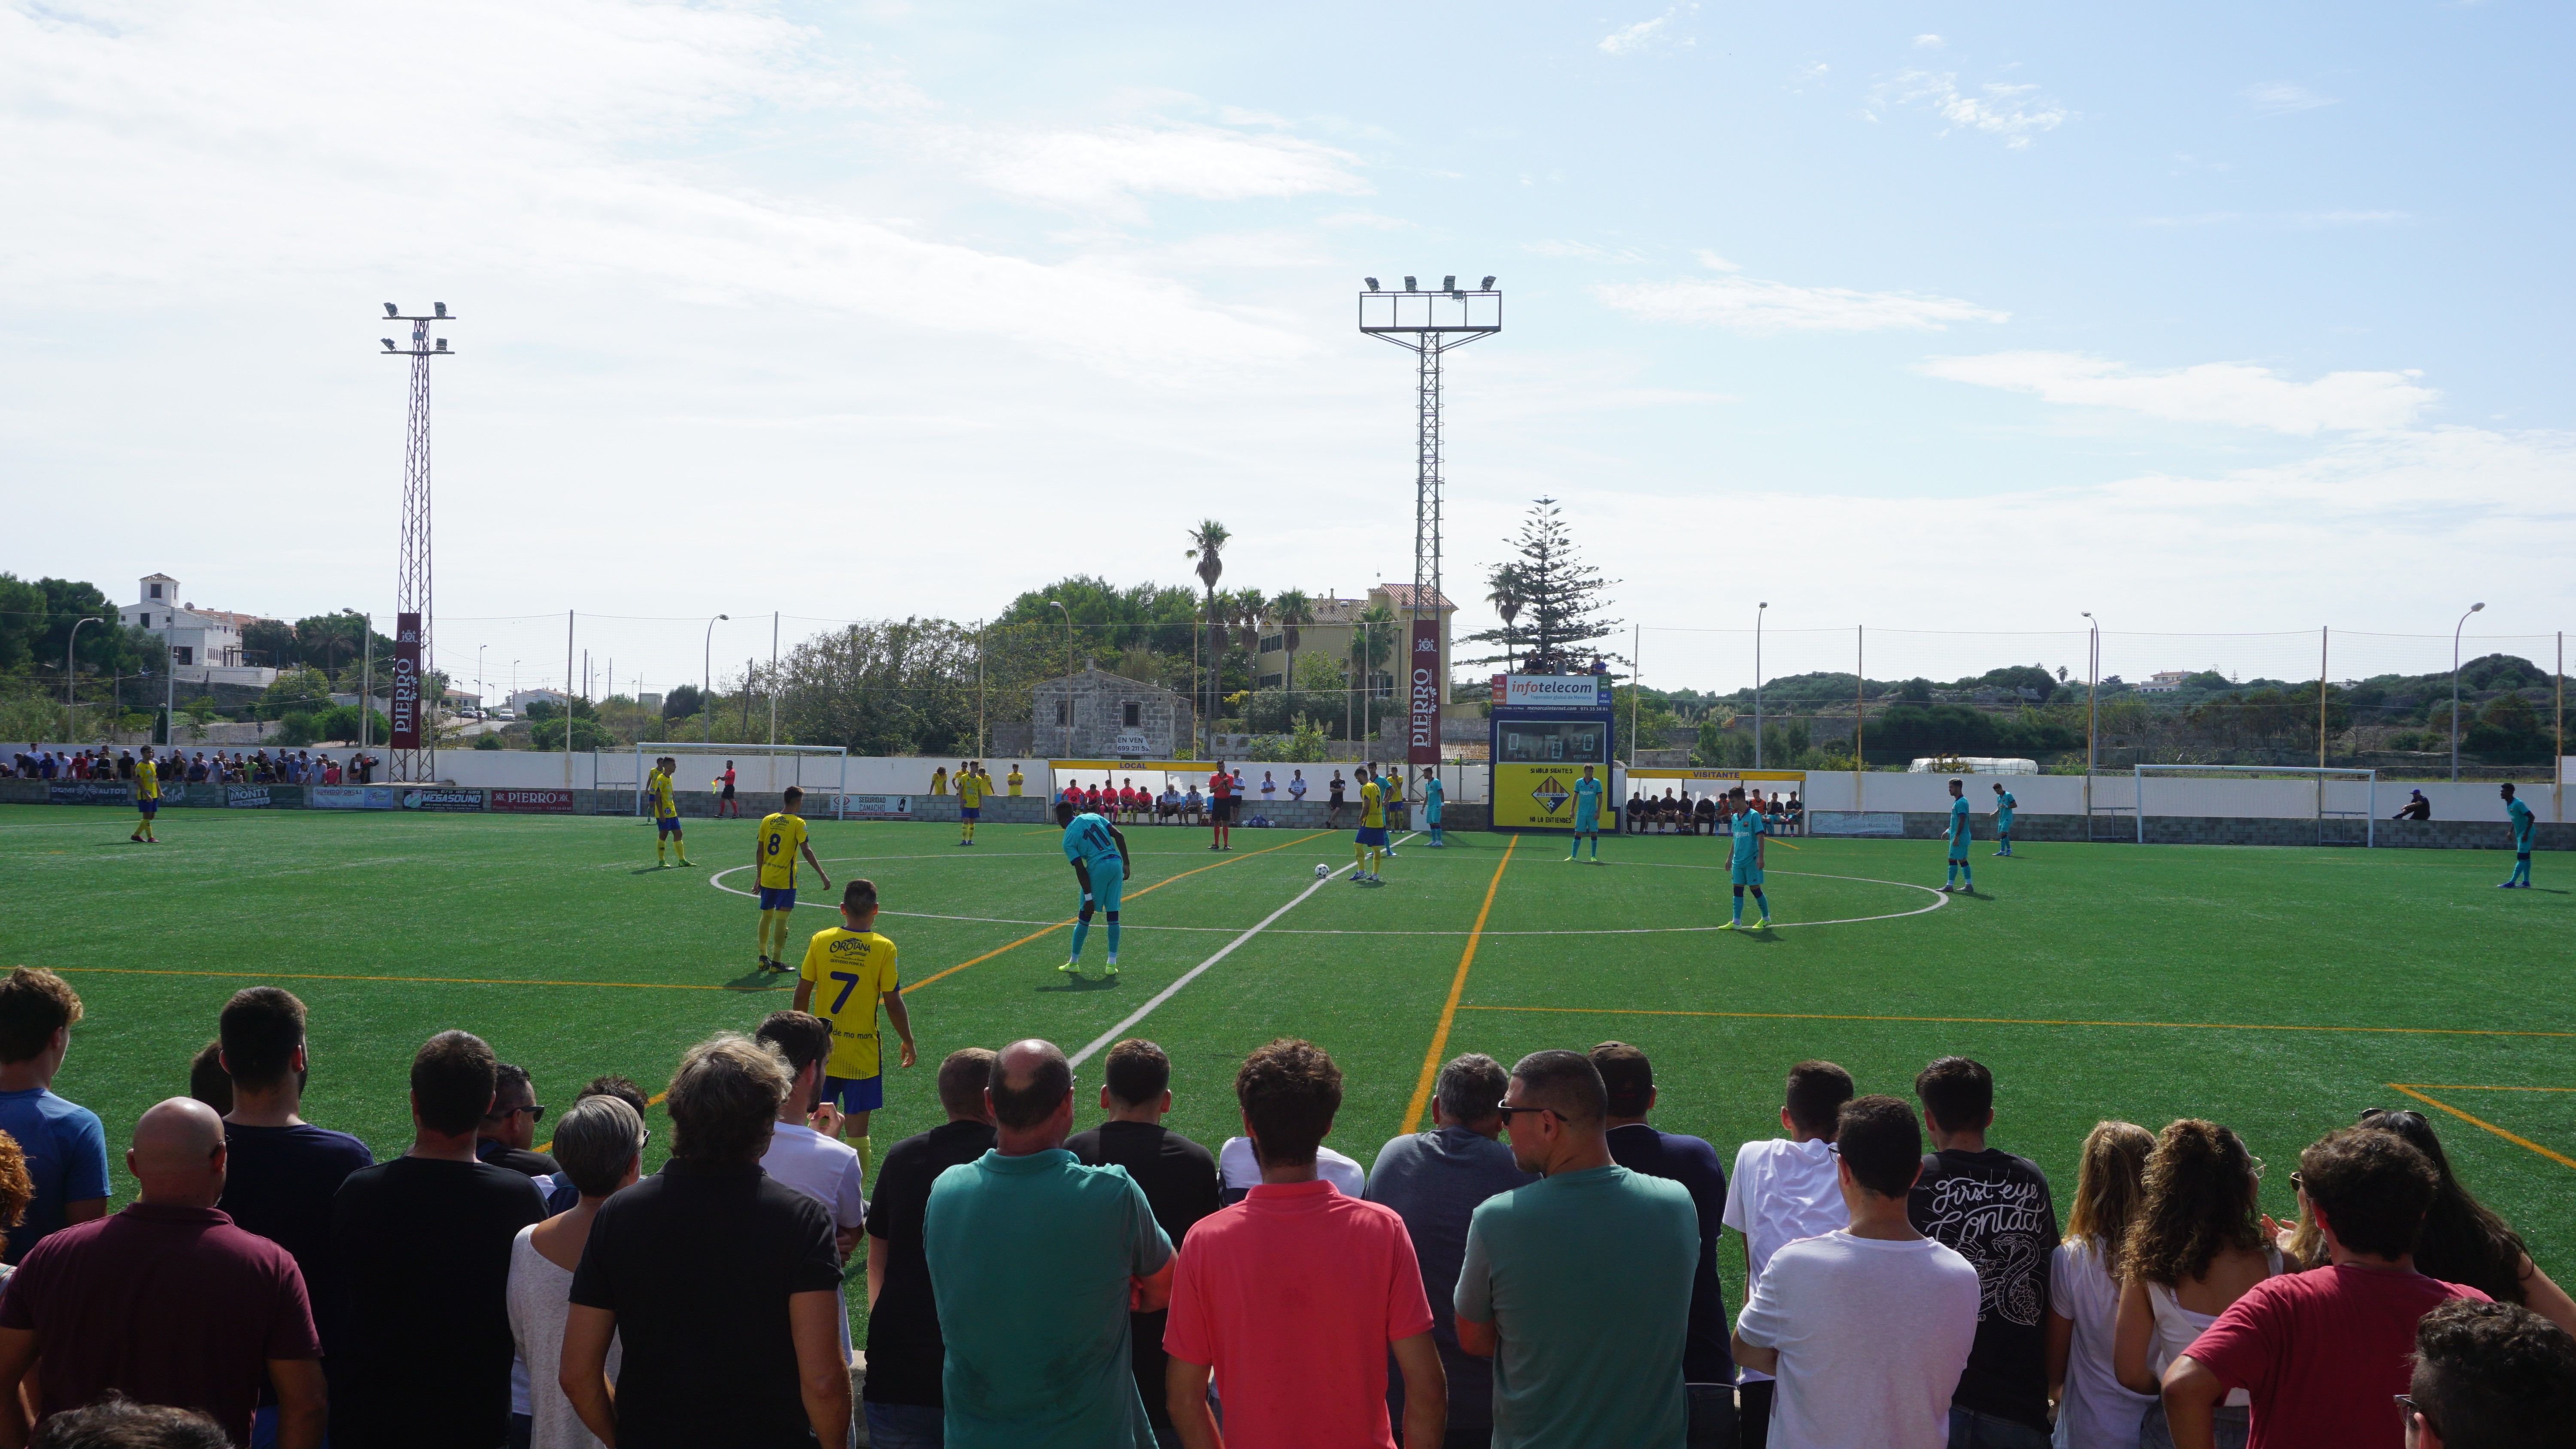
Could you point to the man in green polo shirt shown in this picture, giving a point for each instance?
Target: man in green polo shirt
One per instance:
(1035, 1261)
(1578, 1286)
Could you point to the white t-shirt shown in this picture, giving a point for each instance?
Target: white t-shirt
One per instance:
(1297, 787)
(1237, 1168)
(1269, 788)
(826, 1171)
(1782, 1191)
(2096, 1412)
(1872, 1335)
(540, 1300)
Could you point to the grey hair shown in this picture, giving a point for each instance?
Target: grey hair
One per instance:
(724, 1099)
(1471, 1088)
(596, 1141)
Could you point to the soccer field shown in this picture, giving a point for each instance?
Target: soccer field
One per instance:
(2278, 991)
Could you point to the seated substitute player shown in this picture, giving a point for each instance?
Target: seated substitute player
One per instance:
(2003, 819)
(1744, 865)
(2517, 816)
(971, 790)
(1587, 815)
(773, 852)
(1371, 841)
(147, 803)
(1099, 856)
(849, 969)
(1432, 797)
(666, 810)
(1959, 878)
(1220, 809)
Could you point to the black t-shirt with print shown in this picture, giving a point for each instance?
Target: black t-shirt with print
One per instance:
(1994, 1210)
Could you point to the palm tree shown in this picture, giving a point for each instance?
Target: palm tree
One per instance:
(1292, 611)
(1505, 596)
(1207, 544)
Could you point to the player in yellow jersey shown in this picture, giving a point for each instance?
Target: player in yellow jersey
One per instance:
(666, 810)
(1371, 841)
(848, 970)
(972, 787)
(147, 797)
(1015, 779)
(773, 853)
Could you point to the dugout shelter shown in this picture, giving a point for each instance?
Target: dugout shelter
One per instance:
(1542, 729)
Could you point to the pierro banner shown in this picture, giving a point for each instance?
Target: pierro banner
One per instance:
(405, 733)
(1423, 679)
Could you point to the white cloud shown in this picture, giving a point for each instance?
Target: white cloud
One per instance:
(1590, 251)
(1750, 305)
(1995, 109)
(1106, 169)
(1647, 34)
(2277, 98)
(2236, 393)
(1930, 42)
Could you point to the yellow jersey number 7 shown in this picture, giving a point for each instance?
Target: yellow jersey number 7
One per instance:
(849, 983)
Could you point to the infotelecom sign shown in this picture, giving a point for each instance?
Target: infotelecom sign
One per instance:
(1552, 691)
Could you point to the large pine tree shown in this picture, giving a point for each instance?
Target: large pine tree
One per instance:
(1559, 599)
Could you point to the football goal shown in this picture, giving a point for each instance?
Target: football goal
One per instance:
(2263, 804)
(758, 769)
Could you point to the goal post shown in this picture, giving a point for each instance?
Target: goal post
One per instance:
(2244, 792)
(783, 765)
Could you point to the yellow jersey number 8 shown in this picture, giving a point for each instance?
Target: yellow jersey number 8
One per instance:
(774, 838)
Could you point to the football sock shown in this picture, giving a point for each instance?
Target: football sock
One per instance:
(1596, 847)
(867, 1157)
(1761, 904)
(1373, 861)
(1967, 877)
(1359, 860)
(1739, 905)
(1081, 932)
(661, 855)
(1113, 938)
(1952, 878)
(764, 931)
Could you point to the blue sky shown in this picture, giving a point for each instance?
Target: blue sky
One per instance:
(2206, 318)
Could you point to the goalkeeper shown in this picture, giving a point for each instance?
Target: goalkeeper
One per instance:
(1099, 856)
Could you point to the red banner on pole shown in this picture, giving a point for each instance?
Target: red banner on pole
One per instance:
(1423, 677)
(406, 698)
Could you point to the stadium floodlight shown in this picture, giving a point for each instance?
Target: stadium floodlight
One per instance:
(442, 344)
(389, 344)
(1408, 285)
(1372, 283)
(392, 311)
(1489, 284)
(1449, 283)
(440, 308)
(707, 685)
(2455, 690)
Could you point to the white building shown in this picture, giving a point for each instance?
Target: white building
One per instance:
(205, 644)
(2164, 681)
(521, 699)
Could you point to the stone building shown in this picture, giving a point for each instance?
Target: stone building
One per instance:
(1096, 715)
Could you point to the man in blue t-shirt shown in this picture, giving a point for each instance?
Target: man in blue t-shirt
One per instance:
(2519, 820)
(1959, 879)
(2003, 819)
(66, 1148)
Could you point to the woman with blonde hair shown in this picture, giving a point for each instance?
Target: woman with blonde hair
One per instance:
(2094, 1411)
(2195, 1246)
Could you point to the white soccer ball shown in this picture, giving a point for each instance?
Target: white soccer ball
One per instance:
(1323, 872)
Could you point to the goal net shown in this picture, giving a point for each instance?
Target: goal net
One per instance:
(2256, 805)
(758, 769)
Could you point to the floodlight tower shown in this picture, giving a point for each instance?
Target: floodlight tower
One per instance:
(414, 740)
(1428, 323)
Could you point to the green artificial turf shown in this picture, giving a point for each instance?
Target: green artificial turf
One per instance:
(2097, 981)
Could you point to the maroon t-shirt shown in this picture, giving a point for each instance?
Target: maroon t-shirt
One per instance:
(2321, 1352)
(170, 1305)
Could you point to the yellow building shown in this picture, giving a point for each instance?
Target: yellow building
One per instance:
(1329, 637)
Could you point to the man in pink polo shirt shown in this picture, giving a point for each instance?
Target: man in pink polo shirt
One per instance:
(1307, 1367)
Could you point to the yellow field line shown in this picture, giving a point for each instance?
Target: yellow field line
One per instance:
(2560, 1158)
(2457, 1087)
(2018, 1021)
(1457, 987)
(408, 980)
(1060, 925)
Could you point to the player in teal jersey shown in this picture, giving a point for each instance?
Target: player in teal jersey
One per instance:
(1959, 878)
(1431, 800)
(1587, 816)
(2518, 819)
(1744, 866)
(1099, 856)
(2003, 819)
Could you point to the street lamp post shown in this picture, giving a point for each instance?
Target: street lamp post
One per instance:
(71, 720)
(706, 687)
(2455, 690)
(1758, 611)
(482, 692)
(1066, 704)
(2092, 715)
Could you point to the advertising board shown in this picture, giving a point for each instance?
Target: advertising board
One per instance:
(1423, 685)
(1541, 797)
(439, 798)
(349, 797)
(88, 792)
(405, 704)
(529, 802)
(244, 797)
(1552, 691)
(869, 807)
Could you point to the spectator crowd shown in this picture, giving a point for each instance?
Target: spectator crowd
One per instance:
(1541, 1267)
(259, 767)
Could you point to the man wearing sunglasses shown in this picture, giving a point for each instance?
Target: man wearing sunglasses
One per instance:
(508, 1135)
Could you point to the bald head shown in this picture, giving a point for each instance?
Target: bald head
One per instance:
(1032, 1085)
(178, 1154)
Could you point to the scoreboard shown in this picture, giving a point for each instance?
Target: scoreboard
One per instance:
(1542, 729)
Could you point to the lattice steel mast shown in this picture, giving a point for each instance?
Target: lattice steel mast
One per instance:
(1429, 323)
(414, 739)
